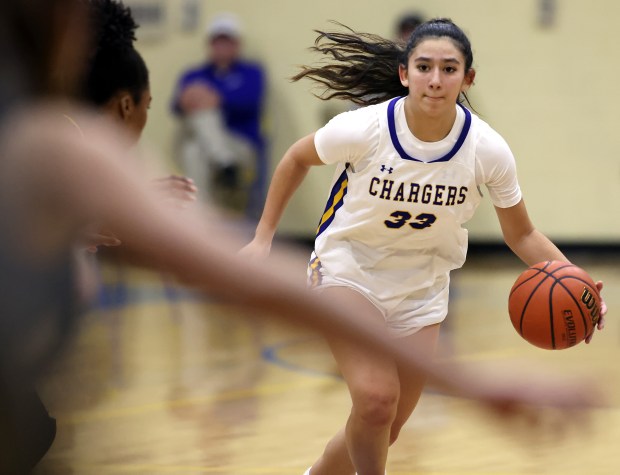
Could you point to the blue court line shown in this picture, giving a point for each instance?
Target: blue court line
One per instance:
(119, 294)
(271, 355)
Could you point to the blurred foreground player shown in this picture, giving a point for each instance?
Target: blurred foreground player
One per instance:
(53, 182)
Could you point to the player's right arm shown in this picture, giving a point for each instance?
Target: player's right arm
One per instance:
(287, 177)
(346, 138)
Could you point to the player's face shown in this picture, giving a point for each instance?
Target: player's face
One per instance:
(435, 76)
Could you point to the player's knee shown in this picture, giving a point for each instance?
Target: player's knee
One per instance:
(376, 406)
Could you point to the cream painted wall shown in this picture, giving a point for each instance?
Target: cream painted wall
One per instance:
(552, 93)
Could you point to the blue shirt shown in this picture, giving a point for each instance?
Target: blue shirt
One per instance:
(241, 89)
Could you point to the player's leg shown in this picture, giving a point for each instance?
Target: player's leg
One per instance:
(411, 385)
(237, 186)
(373, 381)
(335, 457)
(209, 129)
(194, 164)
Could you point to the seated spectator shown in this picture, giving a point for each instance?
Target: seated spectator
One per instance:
(406, 24)
(219, 104)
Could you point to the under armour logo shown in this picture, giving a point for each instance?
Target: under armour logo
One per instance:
(386, 169)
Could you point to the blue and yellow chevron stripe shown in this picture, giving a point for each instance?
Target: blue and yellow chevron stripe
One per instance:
(335, 201)
(314, 277)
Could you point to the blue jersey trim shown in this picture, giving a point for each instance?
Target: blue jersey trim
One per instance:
(401, 151)
(335, 201)
(315, 279)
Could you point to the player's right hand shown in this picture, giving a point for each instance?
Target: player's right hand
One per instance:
(256, 250)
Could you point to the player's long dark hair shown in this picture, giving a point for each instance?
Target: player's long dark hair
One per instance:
(363, 67)
(115, 64)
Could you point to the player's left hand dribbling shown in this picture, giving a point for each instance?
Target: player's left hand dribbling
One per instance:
(601, 321)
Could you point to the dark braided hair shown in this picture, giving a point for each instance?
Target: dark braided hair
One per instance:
(29, 33)
(115, 65)
(363, 67)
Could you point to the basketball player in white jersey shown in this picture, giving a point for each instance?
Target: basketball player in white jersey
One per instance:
(408, 175)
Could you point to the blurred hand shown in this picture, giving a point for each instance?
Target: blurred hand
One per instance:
(256, 250)
(601, 321)
(513, 396)
(179, 190)
(538, 399)
(93, 237)
(198, 96)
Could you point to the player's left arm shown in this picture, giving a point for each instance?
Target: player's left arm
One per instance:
(529, 244)
(532, 246)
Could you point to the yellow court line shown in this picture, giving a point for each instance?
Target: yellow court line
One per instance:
(232, 395)
(143, 468)
(230, 469)
(264, 390)
(490, 355)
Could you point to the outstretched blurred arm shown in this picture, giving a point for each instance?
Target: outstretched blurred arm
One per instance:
(89, 181)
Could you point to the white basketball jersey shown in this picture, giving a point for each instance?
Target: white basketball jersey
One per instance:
(393, 223)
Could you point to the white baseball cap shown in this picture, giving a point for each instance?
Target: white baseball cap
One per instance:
(224, 24)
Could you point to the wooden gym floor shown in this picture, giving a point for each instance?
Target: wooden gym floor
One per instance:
(169, 383)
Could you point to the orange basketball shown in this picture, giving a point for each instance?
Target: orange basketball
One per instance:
(554, 305)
